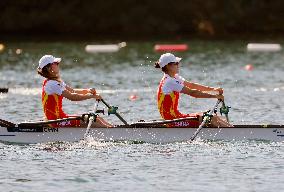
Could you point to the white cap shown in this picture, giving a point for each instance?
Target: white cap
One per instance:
(46, 59)
(168, 58)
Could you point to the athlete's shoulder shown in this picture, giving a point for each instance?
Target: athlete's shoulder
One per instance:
(172, 81)
(179, 78)
(53, 86)
(54, 83)
(172, 84)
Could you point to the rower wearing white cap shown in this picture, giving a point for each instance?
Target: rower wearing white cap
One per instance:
(54, 90)
(169, 91)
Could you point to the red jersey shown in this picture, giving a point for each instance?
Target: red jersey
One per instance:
(52, 103)
(168, 99)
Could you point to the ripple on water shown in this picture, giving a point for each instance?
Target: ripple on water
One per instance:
(255, 97)
(162, 167)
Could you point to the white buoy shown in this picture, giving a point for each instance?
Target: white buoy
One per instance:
(264, 47)
(2, 47)
(104, 48)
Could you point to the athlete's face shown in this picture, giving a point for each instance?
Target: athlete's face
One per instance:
(54, 68)
(174, 67)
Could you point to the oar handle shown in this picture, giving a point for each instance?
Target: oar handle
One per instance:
(116, 113)
(204, 121)
(226, 114)
(96, 106)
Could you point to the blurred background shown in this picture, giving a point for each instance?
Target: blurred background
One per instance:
(112, 46)
(174, 20)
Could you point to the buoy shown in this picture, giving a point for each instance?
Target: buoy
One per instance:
(2, 47)
(171, 47)
(264, 47)
(3, 90)
(133, 97)
(249, 67)
(19, 51)
(104, 48)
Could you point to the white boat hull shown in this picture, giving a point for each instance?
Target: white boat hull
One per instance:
(149, 135)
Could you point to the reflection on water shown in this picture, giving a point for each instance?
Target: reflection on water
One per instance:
(199, 166)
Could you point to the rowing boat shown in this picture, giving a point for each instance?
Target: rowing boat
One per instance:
(154, 131)
(42, 134)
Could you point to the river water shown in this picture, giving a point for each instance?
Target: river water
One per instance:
(128, 79)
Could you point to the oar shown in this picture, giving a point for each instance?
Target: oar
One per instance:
(204, 121)
(91, 120)
(225, 109)
(115, 112)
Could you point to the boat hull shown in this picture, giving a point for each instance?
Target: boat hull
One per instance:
(149, 135)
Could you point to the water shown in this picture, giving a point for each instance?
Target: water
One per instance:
(255, 97)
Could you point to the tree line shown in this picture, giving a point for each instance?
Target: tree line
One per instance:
(141, 19)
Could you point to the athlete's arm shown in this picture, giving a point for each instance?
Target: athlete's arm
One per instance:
(81, 91)
(199, 94)
(73, 96)
(200, 87)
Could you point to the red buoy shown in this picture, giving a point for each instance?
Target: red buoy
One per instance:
(171, 47)
(249, 67)
(133, 97)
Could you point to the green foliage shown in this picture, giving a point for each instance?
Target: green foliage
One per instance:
(140, 19)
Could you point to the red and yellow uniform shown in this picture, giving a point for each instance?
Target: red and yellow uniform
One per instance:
(168, 99)
(52, 103)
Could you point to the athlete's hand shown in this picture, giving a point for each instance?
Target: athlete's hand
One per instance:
(220, 97)
(219, 90)
(97, 96)
(93, 91)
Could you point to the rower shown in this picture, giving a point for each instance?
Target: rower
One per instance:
(169, 91)
(54, 90)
